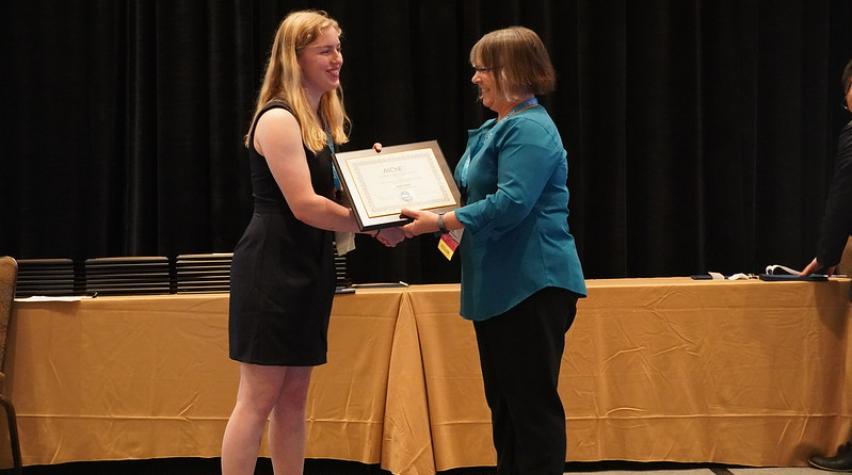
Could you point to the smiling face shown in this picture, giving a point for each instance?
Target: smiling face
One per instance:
(320, 62)
(483, 77)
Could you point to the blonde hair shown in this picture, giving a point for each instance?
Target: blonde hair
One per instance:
(283, 80)
(519, 61)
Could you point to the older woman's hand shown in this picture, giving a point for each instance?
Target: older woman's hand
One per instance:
(424, 222)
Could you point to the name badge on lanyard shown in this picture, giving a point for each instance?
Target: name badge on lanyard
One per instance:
(449, 242)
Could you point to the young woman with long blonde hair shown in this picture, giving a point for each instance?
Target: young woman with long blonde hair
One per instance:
(282, 274)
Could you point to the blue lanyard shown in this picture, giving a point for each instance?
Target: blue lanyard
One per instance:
(465, 165)
(334, 176)
(465, 160)
(532, 101)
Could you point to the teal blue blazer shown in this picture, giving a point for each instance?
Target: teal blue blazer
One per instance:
(516, 240)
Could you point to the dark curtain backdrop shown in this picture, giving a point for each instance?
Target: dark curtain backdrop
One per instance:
(700, 133)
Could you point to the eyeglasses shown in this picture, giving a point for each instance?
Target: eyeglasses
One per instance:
(482, 69)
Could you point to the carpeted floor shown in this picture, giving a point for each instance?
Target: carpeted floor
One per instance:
(198, 466)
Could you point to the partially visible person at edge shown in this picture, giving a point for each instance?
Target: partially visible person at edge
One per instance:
(521, 276)
(282, 275)
(835, 231)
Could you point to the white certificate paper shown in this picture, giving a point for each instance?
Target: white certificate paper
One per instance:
(379, 185)
(405, 179)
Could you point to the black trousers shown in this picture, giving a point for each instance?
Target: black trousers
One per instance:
(520, 352)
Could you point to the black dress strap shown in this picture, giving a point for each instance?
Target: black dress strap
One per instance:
(272, 104)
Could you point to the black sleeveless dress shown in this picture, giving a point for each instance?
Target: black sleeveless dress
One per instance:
(282, 273)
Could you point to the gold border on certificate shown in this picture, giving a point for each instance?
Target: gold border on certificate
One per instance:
(379, 185)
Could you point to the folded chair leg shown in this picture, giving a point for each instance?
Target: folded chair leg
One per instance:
(13, 434)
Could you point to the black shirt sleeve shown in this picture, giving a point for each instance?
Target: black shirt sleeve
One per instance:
(837, 222)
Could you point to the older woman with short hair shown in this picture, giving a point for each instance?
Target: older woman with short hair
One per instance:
(521, 276)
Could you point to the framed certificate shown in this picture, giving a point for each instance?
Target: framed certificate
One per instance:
(379, 185)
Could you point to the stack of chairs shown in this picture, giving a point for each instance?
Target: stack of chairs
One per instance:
(53, 277)
(188, 273)
(203, 273)
(128, 275)
(340, 271)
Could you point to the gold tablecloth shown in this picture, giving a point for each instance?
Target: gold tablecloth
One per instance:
(743, 372)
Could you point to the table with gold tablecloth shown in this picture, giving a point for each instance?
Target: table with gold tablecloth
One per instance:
(737, 372)
(147, 377)
(741, 372)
